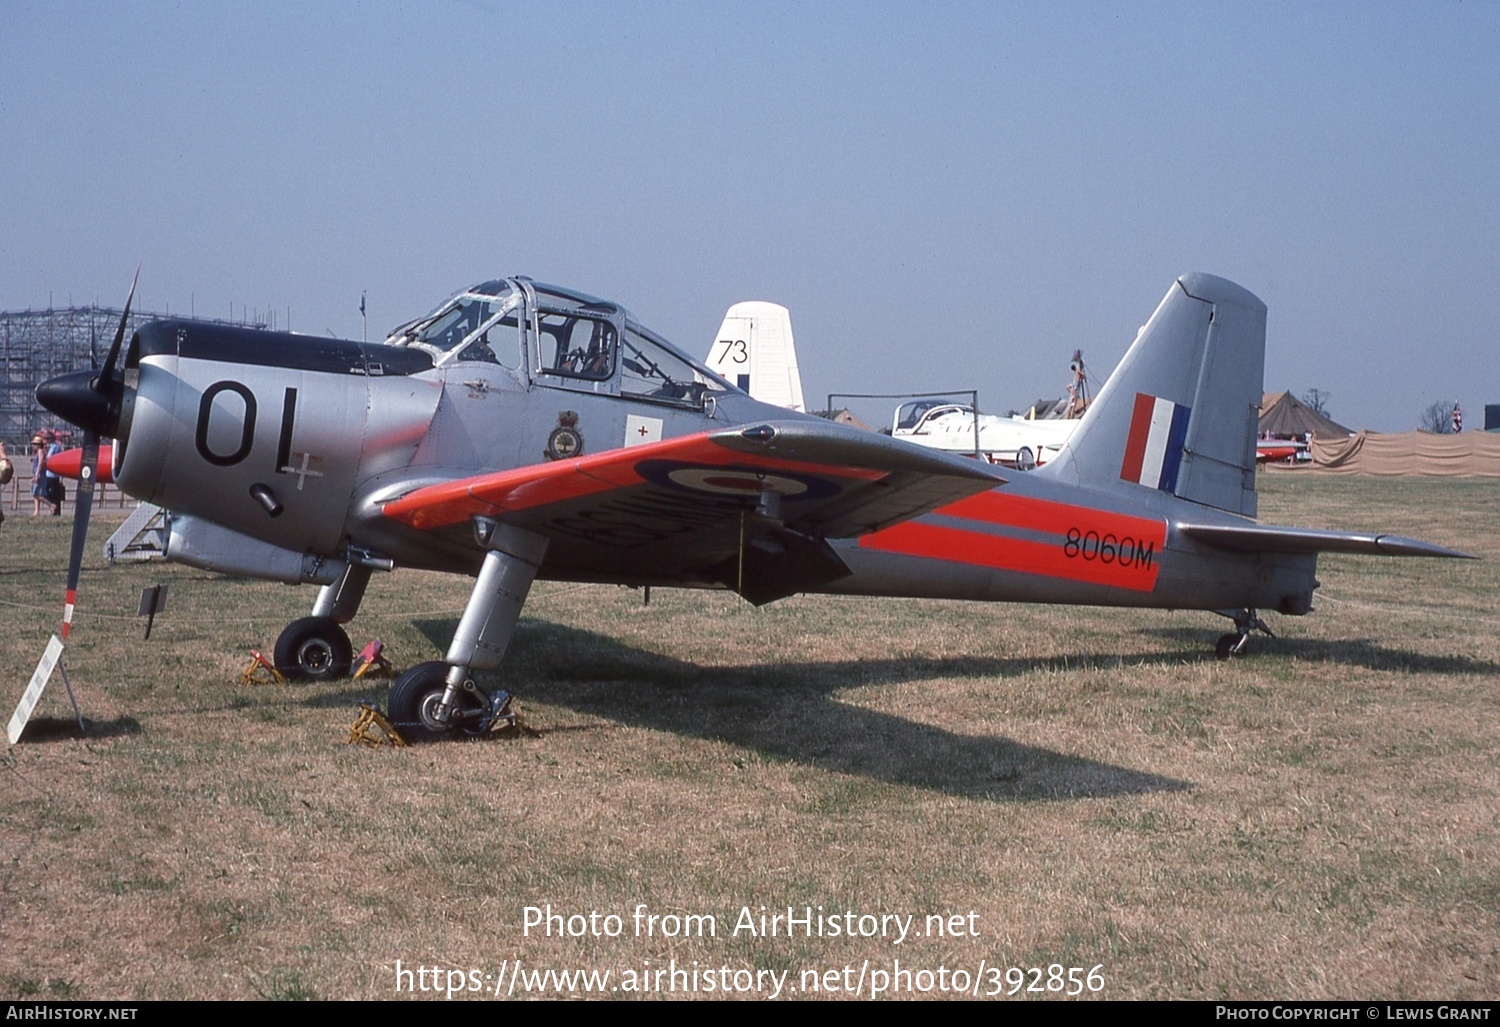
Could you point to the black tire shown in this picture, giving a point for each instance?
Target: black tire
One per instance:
(1225, 647)
(411, 700)
(313, 649)
(1025, 459)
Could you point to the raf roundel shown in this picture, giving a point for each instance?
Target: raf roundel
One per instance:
(735, 480)
(735, 483)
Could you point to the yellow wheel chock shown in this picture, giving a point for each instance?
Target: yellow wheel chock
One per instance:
(373, 656)
(372, 730)
(261, 671)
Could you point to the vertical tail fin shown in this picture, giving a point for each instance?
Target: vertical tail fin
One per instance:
(1180, 412)
(754, 350)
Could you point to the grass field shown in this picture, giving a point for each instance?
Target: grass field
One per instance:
(1321, 819)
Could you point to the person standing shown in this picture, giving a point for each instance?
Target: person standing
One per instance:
(55, 490)
(7, 472)
(38, 476)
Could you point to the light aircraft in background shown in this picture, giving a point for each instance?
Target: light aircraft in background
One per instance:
(1024, 443)
(524, 430)
(754, 350)
(1270, 450)
(1019, 442)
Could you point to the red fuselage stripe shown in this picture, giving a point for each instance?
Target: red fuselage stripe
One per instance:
(1095, 546)
(1013, 511)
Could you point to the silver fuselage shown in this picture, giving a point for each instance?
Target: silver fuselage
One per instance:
(332, 430)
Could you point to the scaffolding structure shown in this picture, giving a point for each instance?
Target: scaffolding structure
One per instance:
(39, 344)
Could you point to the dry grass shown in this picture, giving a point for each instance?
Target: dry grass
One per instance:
(1319, 820)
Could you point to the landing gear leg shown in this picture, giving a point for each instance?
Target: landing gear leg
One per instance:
(1245, 621)
(435, 700)
(340, 601)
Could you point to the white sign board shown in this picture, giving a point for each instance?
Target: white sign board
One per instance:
(33, 693)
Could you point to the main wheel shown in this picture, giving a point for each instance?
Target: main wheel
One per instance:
(413, 701)
(1025, 459)
(1225, 647)
(314, 649)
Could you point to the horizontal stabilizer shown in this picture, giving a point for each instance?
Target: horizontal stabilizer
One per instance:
(1255, 538)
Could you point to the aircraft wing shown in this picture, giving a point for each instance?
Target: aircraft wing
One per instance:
(747, 507)
(1256, 538)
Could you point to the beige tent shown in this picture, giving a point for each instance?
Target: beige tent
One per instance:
(845, 416)
(1285, 416)
(1414, 452)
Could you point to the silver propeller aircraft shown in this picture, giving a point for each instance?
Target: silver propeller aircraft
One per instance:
(523, 430)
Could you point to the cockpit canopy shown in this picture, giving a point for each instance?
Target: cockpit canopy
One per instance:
(918, 417)
(561, 338)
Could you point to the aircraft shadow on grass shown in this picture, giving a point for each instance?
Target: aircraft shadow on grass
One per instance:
(787, 711)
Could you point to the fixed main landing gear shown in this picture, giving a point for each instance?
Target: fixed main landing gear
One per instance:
(317, 648)
(417, 708)
(314, 649)
(440, 700)
(1234, 643)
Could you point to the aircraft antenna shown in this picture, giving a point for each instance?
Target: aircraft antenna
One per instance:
(739, 585)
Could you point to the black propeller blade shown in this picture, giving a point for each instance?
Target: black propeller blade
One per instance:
(98, 417)
(91, 399)
(106, 375)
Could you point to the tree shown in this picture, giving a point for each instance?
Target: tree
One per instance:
(1316, 400)
(1438, 418)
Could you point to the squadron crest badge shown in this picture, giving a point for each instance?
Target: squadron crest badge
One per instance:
(565, 441)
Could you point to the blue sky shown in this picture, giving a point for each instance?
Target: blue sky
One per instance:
(945, 195)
